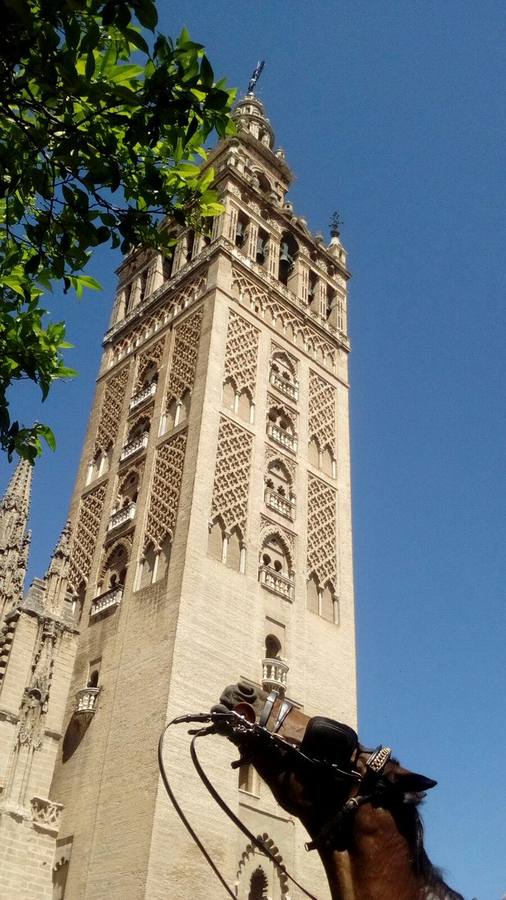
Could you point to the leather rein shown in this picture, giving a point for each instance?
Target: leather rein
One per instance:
(241, 722)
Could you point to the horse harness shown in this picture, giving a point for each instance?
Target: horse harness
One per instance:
(328, 748)
(332, 749)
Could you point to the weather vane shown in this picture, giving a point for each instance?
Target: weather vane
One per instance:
(335, 224)
(256, 75)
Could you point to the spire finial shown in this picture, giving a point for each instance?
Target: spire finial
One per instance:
(16, 497)
(335, 224)
(256, 75)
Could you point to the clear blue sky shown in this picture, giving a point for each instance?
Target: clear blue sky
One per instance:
(392, 113)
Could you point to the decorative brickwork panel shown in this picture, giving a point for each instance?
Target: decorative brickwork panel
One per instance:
(112, 405)
(241, 354)
(322, 412)
(165, 490)
(260, 301)
(86, 535)
(184, 355)
(231, 476)
(151, 356)
(150, 324)
(321, 532)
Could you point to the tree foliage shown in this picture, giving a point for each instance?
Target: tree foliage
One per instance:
(100, 131)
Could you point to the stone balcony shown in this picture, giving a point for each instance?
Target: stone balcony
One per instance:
(283, 438)
(46, 814)
(142, 396)
(121, 516)
(288, 388)
(86, 700)
(274, 675)
(135, 446)
(107, 600)
(276, 582)
(279, 504)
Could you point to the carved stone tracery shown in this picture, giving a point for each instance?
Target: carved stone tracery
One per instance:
(184, 355)
(152, 355)
(322, 532)
(260, 300)
(231, 477)
(112, 405)
(86, 535)
(241, 354)
(165, 491)
(322, 412)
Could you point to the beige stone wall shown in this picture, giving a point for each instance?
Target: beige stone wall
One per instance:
(171, 647)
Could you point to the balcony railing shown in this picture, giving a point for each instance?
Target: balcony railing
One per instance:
(46, 814)
(274, 674)
(143, 395)
(280, 504)
(86, 700)
(139, 443)
(125, 514)
(276, 582)
(288, 388)
(107, 600)
(282, 437)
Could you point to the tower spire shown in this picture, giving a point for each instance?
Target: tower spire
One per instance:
(57, 573)
(14, 538)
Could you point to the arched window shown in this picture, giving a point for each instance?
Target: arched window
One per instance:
(272, 647)
(139, 429)
(279, 494)
(229, 394)
(189, 244)
(184, 408)
(282, 375)
(275, 569)
(147, 566)
(233, 558)
(258, 885)
(149, 375)
(288, 252)
(241, 231)
(280, 429)
(115, 568)
(167, 263)
(314, 453)
(313, 601)
(328, 463)
(164, 558)
(215, 540)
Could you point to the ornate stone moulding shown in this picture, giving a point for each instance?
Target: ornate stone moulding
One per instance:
(46, 814)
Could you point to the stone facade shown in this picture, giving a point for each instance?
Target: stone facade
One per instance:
(211, 527)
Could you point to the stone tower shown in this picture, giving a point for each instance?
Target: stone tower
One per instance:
(37, 648)
(211, 538)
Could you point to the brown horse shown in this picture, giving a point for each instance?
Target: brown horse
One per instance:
(360, 807)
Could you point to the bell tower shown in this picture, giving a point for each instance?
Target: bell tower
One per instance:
(211, 537)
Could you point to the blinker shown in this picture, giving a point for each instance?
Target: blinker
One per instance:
(329, 741)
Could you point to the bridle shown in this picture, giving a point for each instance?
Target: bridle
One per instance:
(241, 725)
(368, 786)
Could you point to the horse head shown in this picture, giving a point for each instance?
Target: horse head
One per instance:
(354, 802)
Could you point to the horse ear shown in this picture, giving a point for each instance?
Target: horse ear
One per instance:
(411, 782)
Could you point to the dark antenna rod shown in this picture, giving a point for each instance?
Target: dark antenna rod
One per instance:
(256, 75)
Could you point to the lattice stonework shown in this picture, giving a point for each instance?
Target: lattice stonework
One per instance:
(241, 354)
(231, 476)
(321, 531)
(184, 355)
(165, 490)
(250, 294)
(322, 412)
(86, 534)
(111, 409)
(152, 354)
